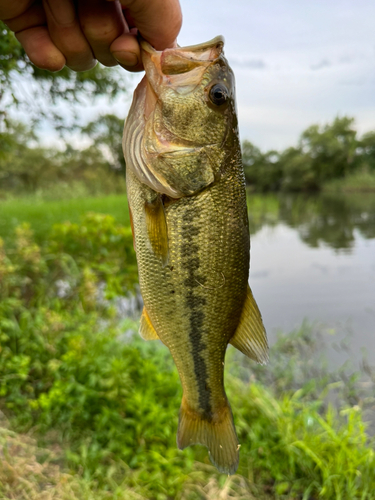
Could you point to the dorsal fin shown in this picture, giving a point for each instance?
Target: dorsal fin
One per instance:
(250, 337)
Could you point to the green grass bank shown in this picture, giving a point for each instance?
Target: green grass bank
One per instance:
(41, 214)
(90, 410)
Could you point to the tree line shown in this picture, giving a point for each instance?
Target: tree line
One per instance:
(26, 166)
(323, 153)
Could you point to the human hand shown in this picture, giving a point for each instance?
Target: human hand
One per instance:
(55, 33)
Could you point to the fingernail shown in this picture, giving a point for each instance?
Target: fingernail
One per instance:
(126, 58)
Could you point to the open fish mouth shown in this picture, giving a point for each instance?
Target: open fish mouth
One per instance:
(179, 60)
(179, 67)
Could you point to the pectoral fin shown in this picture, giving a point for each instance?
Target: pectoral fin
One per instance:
(157, 231)
(146, 330)
(250, 337)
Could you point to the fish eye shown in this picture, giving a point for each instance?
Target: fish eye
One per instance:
(218, 94)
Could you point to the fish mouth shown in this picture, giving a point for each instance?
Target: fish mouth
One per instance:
(206, 51)
(179, 67)
(199, 51)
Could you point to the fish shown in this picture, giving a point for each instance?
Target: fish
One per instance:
(187, 204)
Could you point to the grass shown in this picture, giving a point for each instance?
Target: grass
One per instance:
(30, 472)
(93, 410)
(41, 214)
(294, 445)
(353, 183)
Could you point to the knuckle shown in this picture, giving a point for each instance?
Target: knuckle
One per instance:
(103, 33)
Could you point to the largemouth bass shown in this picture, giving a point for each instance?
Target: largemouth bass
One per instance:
(187, 201)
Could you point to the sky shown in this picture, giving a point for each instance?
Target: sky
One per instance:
(296, 62)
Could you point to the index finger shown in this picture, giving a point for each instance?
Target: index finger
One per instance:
(158, 21)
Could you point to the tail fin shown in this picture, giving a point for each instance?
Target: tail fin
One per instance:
(218, 435)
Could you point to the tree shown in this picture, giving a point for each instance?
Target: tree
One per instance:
(21, 165)
(106, 132)
(262, 170)
(367, 148)
(26, 166)
(297, 171)
(46, 89)
(331, 148)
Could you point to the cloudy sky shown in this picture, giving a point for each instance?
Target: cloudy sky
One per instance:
(297, 62)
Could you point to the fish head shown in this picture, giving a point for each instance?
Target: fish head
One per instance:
(185, 107)
(192, 89)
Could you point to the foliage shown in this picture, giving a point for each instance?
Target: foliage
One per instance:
(106, 131)
(324, 153)
(33, 279)
(107, 402)
(297, 170)
(22, 166)
(329, 157)
(27, 167)
(305, 453)
(12, 58)
(261, 169)
(26, 469)
(102, 248)
(360, 181)
(48, 89)
(367, 150)
(332, 148)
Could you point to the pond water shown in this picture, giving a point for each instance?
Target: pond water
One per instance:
(313, 259)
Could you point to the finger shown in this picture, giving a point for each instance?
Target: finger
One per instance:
(67, 35)
(9, 10)
(31, 31)
(101, 23)
(126, 51)
(34, 16)
(40, 49)
(159, 21)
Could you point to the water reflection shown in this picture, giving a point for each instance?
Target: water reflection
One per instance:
(313, 257)
(321, 219)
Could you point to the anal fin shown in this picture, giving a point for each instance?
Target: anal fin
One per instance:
(250, 337)
(146, 330)
(157, 231)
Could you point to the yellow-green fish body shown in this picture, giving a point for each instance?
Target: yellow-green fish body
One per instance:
(187, 200)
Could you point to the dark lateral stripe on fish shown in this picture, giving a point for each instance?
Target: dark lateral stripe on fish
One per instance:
(194, 302)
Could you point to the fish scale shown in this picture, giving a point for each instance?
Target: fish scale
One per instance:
(193, 250)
